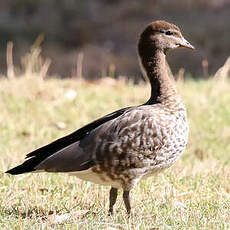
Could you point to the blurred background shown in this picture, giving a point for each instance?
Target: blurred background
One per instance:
(101, 36)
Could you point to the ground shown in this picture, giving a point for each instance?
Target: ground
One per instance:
(193, 194)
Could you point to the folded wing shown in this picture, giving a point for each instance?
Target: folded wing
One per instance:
(65, 154)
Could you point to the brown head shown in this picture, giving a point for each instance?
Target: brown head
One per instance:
(157, 38)
(163, 36)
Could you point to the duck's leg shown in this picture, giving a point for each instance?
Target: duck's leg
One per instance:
(126, 199)
(112, 199)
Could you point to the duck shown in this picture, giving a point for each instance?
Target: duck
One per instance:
(126, 146)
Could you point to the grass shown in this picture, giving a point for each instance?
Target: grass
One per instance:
(193, 194)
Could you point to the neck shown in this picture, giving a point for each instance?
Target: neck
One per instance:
(162, 86)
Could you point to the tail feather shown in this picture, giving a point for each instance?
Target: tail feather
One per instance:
(27, 166)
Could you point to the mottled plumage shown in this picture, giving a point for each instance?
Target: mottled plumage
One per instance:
(133, 143)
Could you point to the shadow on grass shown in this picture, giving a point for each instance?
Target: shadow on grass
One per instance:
(31, 212)
(36, 212)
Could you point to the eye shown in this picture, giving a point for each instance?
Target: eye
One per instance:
(169, 32)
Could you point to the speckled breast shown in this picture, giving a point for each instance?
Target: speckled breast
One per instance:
(174, 139)
(145, 140)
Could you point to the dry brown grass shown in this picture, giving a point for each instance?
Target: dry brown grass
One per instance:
(193, 194)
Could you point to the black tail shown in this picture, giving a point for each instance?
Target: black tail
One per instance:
(27, 166)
